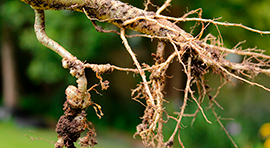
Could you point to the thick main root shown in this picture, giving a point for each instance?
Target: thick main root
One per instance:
(197, 55)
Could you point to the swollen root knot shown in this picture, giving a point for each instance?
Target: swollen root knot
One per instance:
(76, 99)
(69, 129)
(100, 69)
(75, 66)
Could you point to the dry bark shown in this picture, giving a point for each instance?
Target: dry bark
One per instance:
(197, 56)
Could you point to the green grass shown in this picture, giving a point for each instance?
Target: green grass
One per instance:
(12, 136)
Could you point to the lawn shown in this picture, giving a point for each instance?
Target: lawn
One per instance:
(12, 136)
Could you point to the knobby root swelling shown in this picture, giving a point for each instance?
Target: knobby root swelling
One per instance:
(198, 56)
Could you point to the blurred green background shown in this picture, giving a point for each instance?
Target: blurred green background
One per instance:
(35, 81)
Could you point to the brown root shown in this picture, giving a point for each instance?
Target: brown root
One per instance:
(198, 56)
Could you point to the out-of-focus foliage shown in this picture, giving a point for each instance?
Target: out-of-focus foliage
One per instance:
(265, 134)
(43, 80)
(254, 14)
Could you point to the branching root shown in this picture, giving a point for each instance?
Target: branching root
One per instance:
(198, 56)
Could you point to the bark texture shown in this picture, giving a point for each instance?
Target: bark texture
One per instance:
(119, 14)
(196, 55)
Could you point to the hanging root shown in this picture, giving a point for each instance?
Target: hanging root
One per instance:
(198, 56)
